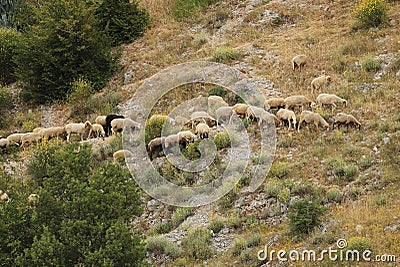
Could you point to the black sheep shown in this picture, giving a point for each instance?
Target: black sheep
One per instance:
(109, 118)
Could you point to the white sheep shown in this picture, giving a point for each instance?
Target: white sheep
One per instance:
(30, 138)
(37, 129)
(287, 115)
(297, 101)
(311, 117)
(320, 82)
(52, 132)
(33, 198)
(224, 114)
(77, 128)
(180, 120)
(98, 129)
(215, 102)
(171, 141)
(155, 146)
(186, 137)
(274, 103)
(202, 130)
(253, 112)
(345, 119)
(201, 116)
(118, 125)
(4, 196)
(4, 142)
(240, 109)
(101, 120)
(330, 99)
(15, 138)
(122, 153)
(299, 61)
(266, 117)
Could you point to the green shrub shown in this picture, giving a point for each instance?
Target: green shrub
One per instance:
(304, 215)
(197, 244)
(359, 243)
(370, 13)
(6, 104)
(161, 245)
(234, 220)
(10, 41)
(161, 228)
(279, 169)
(122, 21)
(225, 54)
(192, 151)
(238, 246)
(222, 140)
(227, 201)
(334, 195)
(253, 240)
(365, 162)
(340, 169)
(216, 225)
(370, 64)
(277, 189)
(27, 121)
(180, 214)
(154, 126)
(61, 48)
(184, 9)
(304, 189)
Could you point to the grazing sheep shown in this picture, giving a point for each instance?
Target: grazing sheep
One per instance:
(122, 153)
(4, 196)
(215, 102)
(287, 115)
(201, 116)
(15, 138)
(297, 101)
(4, 142)
(345, 119)
(98, 129)
(224, 114)
(33, 198)
(275, 103)
(109, 119)
(37, 129)
(186, 137)
(77, 128)
(311, 117)
(253, 112)
(202, 130)
(330, 99)
(30, 138)
(117, 125)
(52, 132)
(101, 120)
(320, 82)
(171, 140)
(267, 117)
(155, 146)
(299, 61)
(240, 109)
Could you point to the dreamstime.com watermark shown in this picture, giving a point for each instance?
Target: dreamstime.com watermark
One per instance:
(340, 253)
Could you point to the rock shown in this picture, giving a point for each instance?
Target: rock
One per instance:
(398, 74)
(386, 140)
(128, 76)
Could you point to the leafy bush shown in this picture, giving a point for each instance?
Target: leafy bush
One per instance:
(370, 64)
(340, 169)
(27, 121)
(10, 42)
(216, 225)
(279, 169)
(370, 13)
(359, 243)
(161, 245)
(180, 214)
(304, 215)
(222, 140)
(161, 228)
(6, 104)
(234, 220)
(225, 54)
(241, 244)
(277, 189)
(153, 127)
(61, 48)
(334, 195)
(197, 244)
(184, 9)
(192, 151)
(123, 21)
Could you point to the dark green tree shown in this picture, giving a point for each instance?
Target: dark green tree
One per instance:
(122, 21)
(10, 41)
(63, 46)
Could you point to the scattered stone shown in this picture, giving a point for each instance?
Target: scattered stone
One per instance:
(386, 140)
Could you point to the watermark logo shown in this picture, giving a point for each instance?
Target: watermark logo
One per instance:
(239, 153)
(340, 253)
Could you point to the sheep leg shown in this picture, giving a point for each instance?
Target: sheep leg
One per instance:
(289, 125)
